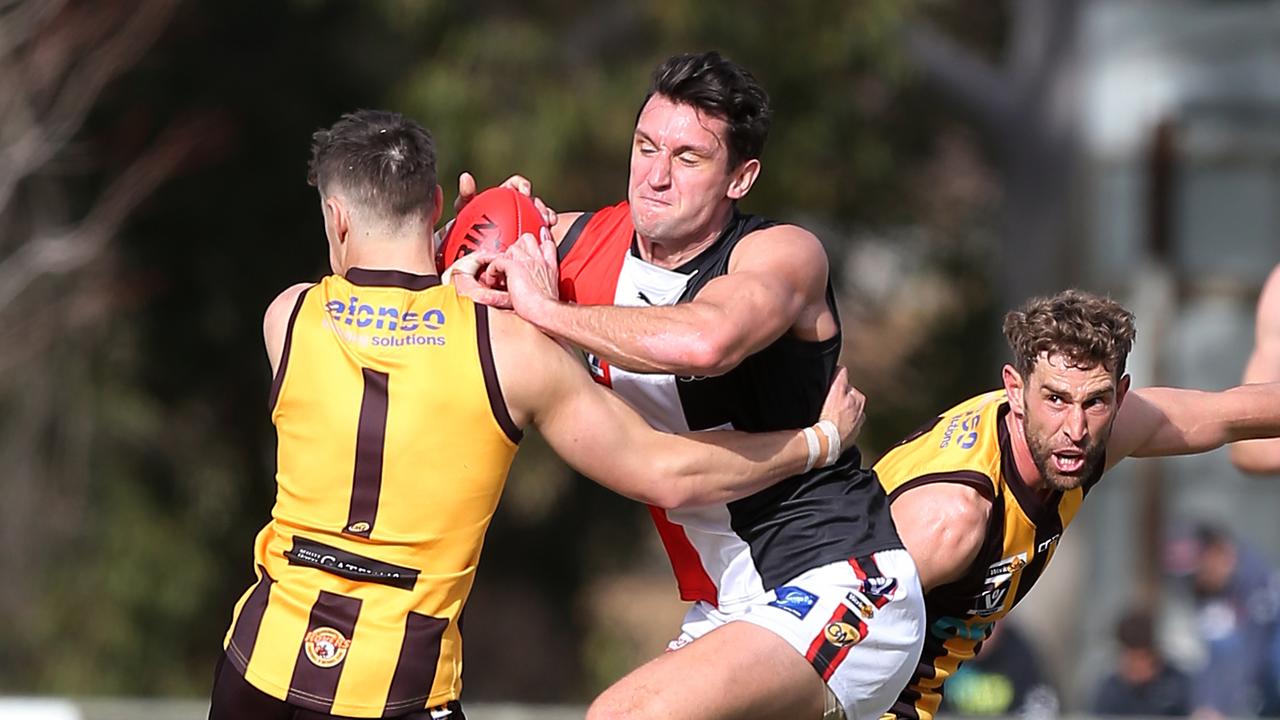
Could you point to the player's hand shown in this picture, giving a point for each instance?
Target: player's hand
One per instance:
(467, 190)
(469, 277)
(530, 271)
(845, 406)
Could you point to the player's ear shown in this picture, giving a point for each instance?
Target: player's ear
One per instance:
(437, 206)
(743, 178)
(1122, 389)
(337, 219)
(1015, 389)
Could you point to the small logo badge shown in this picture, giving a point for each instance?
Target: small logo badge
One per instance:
(842, 634)
(358, 527)
(326, 647)
(794, 600)
(859, 603)
(879, 587)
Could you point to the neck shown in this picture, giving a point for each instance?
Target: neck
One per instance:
(1022, 459)
(674, 253)
(406, 254)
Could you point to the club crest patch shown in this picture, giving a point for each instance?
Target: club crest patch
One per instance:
(325, 647)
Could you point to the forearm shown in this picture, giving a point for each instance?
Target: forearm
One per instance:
(677, 339)
(721, 466)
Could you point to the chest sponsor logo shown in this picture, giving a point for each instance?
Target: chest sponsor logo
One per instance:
(326, 647)
(794, 600)
(962, 431)
(842, 634)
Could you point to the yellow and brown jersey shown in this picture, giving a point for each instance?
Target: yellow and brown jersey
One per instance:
(969, 445)
(394, 446)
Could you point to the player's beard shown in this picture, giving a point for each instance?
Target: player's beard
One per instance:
(1042, 455)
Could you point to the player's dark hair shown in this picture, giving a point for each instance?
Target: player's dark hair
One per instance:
(1086, 329)
(382, 159)
(720, 88)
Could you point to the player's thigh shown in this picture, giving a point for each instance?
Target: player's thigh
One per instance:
(739, 670)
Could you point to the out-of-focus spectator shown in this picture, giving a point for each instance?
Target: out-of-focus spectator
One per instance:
(1236, 592)
(1006, 678)
(1144, 683)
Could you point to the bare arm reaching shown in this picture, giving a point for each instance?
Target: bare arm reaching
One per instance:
(1158, 422)
(776, 282)
(598, 434)
(1263, 456)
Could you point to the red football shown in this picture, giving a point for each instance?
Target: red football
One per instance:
(493, 220)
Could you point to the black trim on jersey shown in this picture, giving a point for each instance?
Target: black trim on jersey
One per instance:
(969, 478)
(918, 433)
(245, 634)
(313, 687)
(336, 561)
(415, 671)
(571, 238)
(497, 402)
(390, 278)
(278, 380)
(371, 438)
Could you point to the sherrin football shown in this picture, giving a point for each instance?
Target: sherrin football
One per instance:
(493, 220)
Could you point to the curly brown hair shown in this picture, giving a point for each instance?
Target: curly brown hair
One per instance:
(1086, 329)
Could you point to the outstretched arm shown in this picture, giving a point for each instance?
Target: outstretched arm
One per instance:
(777, 278)
(1263, 456)
(602, 437)
(1158, 422)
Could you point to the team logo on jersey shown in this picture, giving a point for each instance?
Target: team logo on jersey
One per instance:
(794, 600)
(842, 634)
(1008, 566)
(325, 647)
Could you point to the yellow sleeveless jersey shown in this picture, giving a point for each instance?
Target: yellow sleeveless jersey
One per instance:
(969, 445)
(394, 446)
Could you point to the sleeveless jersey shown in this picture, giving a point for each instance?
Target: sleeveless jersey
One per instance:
(969, 445)
(731, 553)
(394, 446)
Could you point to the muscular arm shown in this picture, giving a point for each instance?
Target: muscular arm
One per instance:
(275, 324)
(943, 526)
(603, 438)
(1263, 456)
(1157, 422)
(776, 281)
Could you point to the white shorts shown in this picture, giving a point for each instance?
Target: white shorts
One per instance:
(859, 623)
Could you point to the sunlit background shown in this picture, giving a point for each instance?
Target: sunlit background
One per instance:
(954, 156)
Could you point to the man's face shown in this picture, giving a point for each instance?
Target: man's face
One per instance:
(1067, 413)
(681, 184)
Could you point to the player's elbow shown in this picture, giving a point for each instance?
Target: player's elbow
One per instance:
(706, 355)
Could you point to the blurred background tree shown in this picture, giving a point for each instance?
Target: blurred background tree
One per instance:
(162, 204)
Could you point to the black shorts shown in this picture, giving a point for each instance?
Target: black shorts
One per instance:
(235, 699)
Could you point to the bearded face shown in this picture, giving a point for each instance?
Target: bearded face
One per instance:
(1067, 412)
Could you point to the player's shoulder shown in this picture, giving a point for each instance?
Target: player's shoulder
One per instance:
(282, 306)
(780, 245)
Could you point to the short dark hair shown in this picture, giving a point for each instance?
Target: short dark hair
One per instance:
(384, 160)
(1086, 329)
(720, 88)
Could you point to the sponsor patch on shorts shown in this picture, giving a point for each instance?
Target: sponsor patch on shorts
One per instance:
(794, 600)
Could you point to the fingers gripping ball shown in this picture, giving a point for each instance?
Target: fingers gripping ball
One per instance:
(493, 220)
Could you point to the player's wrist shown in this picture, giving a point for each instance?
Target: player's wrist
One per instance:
(822, 440)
